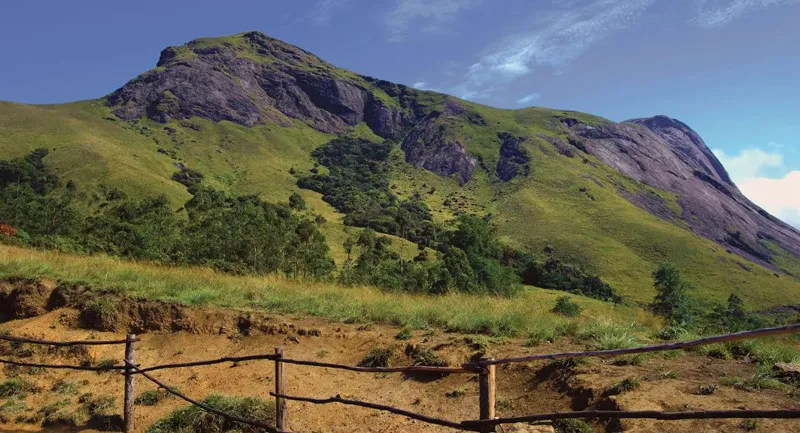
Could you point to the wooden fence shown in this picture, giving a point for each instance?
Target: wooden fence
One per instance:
(485, 368)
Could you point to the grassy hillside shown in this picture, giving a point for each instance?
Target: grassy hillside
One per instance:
(594, 226)
(573, 206)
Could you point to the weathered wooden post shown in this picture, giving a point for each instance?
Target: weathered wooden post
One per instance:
(280, 403)
(487, 391)
(128, 410)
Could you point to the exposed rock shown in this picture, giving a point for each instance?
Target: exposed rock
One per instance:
(667, 154)
(787, 371)
(220, 83)
(428, 146)
(514, 160)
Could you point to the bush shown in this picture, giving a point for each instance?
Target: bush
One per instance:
(627, 385)
(152, 397)
(196, 420)
(672, 295)
(378, 357)
(572, 426)
(566, 307)
(424, 356)
(17, 388)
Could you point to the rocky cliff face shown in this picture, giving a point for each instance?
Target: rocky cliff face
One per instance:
(251, 80)
(667, 154)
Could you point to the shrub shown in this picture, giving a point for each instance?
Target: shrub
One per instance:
(378, 357)
(152, 397)
(424, 356)
(672, 298)
(572, 426)
(17, 388)
(196, 420)
(626, 385)
(404, 334)
(565, 306)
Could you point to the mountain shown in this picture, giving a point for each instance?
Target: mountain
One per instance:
(248, 110)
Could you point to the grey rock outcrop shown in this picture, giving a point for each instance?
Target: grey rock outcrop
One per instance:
(514, 160)
(667, 154)
(219, 82)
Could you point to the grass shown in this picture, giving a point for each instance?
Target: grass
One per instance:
(17, 388)
(200, 286)
(152, 397)
(756, 382)
(572, 426)
(626, 385)
(378, 357)
(194, 419)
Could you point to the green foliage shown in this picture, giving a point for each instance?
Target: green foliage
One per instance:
(748, 425)
(194, 419)
(756, 382)
(566, 307)
(672, 295)
(626, 385)
(378, 357)
(357, 185)
(242, 234)
(64, 387)
(572, 426)
(152, 397)
(17, 388)
(422, 355)
(404, 334)
(552, 273)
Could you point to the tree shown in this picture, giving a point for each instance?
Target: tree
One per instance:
(672, 295)
(297, 202)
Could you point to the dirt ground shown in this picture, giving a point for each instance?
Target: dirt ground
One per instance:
(666, 383)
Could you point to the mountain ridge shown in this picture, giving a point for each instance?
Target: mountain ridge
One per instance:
(546, 176)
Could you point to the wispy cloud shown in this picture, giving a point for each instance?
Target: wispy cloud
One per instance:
(431, 13)
(751, 170)
(552, 41)
(528, 98)
(323, 10)
(716, 13)
(420, 85)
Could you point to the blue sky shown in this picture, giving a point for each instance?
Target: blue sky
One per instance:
(728, 68)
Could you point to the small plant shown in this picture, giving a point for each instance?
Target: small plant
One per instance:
(626, 385)
(458, 392)
(106, 364)
(378, 357)
(152, 397)
(404, 334)
(64, 387)
(572, 426)
(424, 356)
(17, 388)
(707, 389)
(477, 342)
(635, 359)
(11, 407)
(757, 382)
(748, 425)
(196, 420)
(566, 307)
(99, 405)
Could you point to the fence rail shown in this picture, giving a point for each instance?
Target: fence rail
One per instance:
(485, 368)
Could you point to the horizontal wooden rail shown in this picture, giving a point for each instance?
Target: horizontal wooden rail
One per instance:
(643, 414)
(61, 367)
(766, 332)
(467, 368)
(394, 410)
(208, 362)
(202, 405)
(62, 343)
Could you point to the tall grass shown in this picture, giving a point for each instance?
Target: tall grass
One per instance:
(529, 313)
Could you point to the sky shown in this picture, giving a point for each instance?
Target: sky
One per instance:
(730, 69)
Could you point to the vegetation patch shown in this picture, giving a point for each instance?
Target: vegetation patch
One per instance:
(152, 397)
(194, 419)
(378, 357)
(17, 387)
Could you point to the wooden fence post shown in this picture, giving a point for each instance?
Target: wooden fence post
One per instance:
(128, 410)
(487, 393)
(280, 403)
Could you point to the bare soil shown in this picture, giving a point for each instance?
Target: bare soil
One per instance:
(172, 333)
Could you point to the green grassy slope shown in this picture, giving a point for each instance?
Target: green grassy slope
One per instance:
(571, 205)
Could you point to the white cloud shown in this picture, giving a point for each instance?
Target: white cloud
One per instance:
(528, 98)
(716, 13)
(779, 196)
(323, 10)
(552, 41)
(749, 163)
(420, 85)
(433, 13)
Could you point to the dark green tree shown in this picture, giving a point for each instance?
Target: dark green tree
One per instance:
(672, 295)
